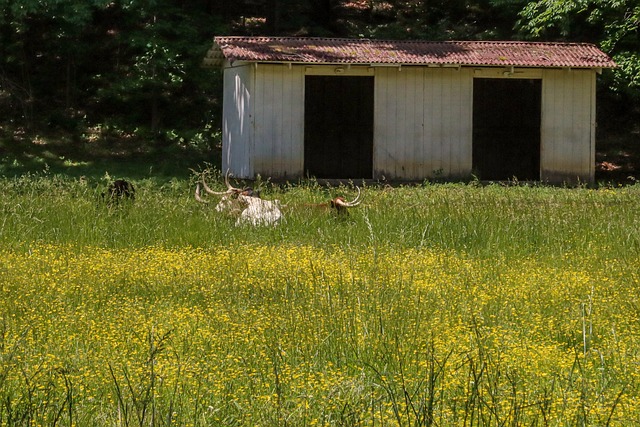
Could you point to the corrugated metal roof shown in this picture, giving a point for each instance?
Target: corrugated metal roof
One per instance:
(310, 50)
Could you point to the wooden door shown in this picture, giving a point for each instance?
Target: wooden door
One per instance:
(338, 127)
(506, 128)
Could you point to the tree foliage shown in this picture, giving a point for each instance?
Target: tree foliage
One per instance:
(136, 64)
(612, 24)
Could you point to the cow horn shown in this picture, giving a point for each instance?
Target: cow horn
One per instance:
(197, 195)
(355, 202)
(230, 189)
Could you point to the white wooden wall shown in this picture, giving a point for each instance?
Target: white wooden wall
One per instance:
(263, 121)
(237, 118)
(423, 122)
(568, 126)
(279, 121)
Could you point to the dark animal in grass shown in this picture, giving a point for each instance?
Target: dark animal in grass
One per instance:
(118, 191)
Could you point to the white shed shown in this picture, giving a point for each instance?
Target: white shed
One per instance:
(408, 110)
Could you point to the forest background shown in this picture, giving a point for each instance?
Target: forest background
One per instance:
(85, 81)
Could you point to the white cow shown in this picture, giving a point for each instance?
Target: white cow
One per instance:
(251, 208)
(259, 212)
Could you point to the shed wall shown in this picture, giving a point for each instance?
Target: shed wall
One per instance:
(237, 126)
(568, 126)
(422, 125)
(279, 121)
(422, 122)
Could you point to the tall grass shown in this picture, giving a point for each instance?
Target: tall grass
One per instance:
(441, 304)
(484, 221)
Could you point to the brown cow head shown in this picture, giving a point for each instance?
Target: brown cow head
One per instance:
(340, 204)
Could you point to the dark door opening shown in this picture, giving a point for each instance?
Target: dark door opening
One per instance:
(506, 128)
(338, 127)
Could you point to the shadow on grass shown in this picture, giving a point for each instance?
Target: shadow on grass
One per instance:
(617, 157)
(130, 158)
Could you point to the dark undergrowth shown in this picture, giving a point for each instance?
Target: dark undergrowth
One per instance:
(93, 155)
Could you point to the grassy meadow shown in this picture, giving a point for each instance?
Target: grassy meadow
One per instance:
(436, 304)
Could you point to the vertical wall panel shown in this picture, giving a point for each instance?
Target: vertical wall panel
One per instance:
(262, 144)
(432, 117)
(449, 123)
(417, 152)
(568, 123)
(436, 130)
(383, 130)
(464, 123)
(404, 116)
(380, 129)
(295, 118)
(237, 126)
(423, 122)
(279, 121)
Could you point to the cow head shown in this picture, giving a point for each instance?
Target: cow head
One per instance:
(340, 204)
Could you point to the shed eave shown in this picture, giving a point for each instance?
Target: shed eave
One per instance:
(227, 63)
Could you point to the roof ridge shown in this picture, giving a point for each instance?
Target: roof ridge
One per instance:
(334, 39)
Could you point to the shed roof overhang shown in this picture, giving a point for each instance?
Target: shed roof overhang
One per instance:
(332, 51)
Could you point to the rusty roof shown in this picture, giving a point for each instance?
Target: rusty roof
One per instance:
(311, 50)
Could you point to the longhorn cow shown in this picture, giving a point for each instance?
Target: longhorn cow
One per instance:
(253, 210)
(340, 204)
